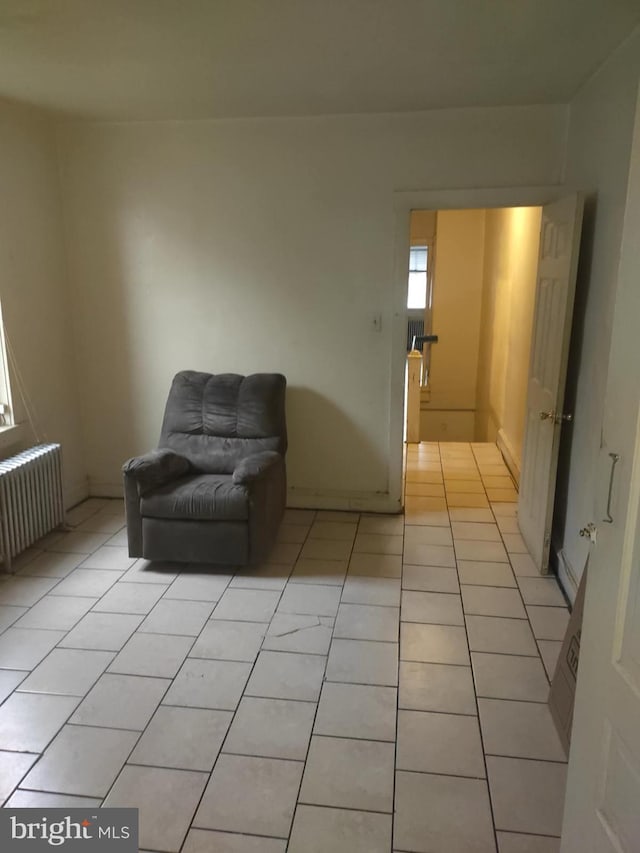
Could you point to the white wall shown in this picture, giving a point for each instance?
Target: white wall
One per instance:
(598, 151)
(264, 245)
(33, 290)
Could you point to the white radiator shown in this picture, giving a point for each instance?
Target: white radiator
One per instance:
(31, 503)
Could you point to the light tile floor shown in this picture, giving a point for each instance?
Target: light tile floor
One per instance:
(379, 685)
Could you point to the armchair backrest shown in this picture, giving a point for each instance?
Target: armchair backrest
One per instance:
(216, 420)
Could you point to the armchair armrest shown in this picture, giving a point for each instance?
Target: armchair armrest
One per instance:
(155, 468)
(255, 466)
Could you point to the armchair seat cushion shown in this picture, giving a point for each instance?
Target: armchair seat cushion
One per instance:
(201, 497)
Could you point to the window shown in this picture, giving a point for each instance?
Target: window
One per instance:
(6, 408)
(417, 292)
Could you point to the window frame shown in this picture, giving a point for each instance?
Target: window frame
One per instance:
(430, 246)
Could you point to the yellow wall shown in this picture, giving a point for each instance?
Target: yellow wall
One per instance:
(423, 227)
(509, 279)
(457, 299)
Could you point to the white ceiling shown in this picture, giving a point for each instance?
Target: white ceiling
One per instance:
(141, 59)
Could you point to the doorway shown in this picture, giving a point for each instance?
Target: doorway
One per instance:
(477, 294)
(491, 309)
(404, 201)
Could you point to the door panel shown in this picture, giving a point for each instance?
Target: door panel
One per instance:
(618, 809)
(557, 267)
(602, 812)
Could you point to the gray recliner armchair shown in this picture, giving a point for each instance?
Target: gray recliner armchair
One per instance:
(215, 489)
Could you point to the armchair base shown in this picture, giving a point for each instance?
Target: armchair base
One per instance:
(222, 543)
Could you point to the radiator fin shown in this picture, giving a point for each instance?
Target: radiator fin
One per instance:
(31, 503)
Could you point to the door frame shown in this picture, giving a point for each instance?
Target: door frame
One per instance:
(404, 201)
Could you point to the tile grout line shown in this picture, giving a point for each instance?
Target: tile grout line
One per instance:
(16, 689)
(239, 702)
(67, 721)
(399, 636)
(233, 712)
(524, 605)
(317, 704)
(480, 734)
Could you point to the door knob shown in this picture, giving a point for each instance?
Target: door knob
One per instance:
(590, 532)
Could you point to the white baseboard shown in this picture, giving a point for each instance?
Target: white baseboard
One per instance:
(347, 501)
(297, 498)
(99, 489)
(567, 575)
(509, 456)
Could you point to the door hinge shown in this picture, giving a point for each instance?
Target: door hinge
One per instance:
(556, 417)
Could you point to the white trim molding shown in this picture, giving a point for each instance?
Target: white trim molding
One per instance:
(509, 456)
(380, 502)
(567, 575)
(404, 201)
(105, 490)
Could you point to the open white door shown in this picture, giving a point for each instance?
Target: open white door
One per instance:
(555, 289)
(602, 807)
